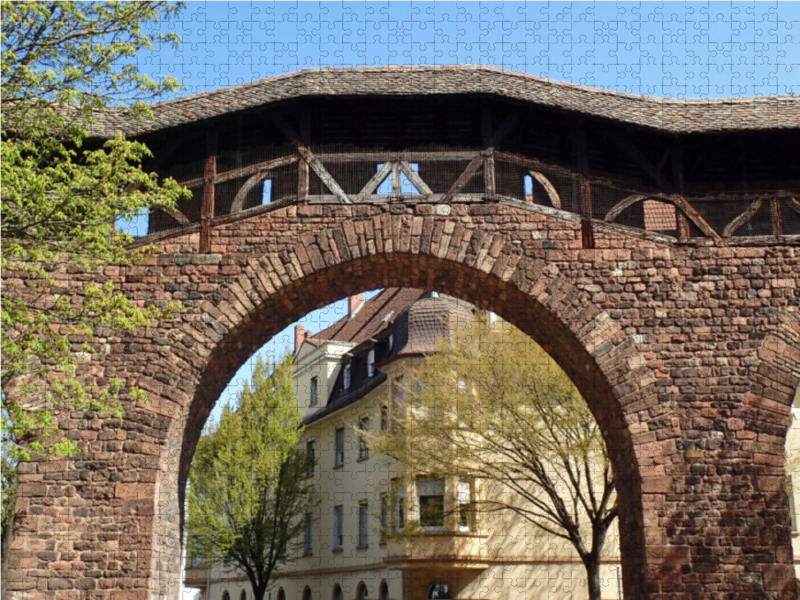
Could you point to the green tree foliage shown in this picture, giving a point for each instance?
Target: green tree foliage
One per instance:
(248, 489)
(64, 64)
(491, 406)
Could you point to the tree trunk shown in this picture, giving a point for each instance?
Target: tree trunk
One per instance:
(593, 578)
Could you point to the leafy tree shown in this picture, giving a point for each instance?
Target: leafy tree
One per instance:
(64, 64)
(248, 488)
(491, 406)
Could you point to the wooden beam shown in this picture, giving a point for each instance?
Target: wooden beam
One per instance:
(793, 204)
(312, 160)
(303, 176)
(679, 181)
(244, 171)
(410, 156)
(489, 176)
(552, 193)
(177, 215)
(622, 205)
(414, 178)
(687, 208)
(775, 213)
(397, 187)
(462, 180)
(209, 172)
(584, 187)
(743, 218)
(238, 201)
(376, 180)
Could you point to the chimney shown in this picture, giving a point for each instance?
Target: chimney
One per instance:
(354, 304)
(299, 336)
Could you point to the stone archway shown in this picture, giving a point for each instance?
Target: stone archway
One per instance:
(684, 351)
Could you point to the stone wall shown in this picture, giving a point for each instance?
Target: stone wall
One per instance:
(688, 357)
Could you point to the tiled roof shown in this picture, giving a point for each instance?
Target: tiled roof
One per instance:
(371, 318)
(666, 114)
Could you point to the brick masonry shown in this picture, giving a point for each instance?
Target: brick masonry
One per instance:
(689, 358)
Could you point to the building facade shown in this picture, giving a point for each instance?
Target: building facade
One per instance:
(347, 380)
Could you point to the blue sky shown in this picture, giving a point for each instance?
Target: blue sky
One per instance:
(664, 49)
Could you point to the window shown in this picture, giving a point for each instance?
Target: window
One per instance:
(314, 390)
(384, 593)
(197, 559)
(243, 595)
(431, 503)
(371, 363)
(307, 593)
(337, 593)
(347, 377)
(308, 537)
(281, 594)
(339, 447)
(363, 591)
(391, 341)
(465, 511)
(310, 456)
(338, 527)
(439, 591)
(363, 522)
(399, 505)
(384, 417)
(226, 596)
(384, 517)
(363, 448)
(792, 509)
(266, 192)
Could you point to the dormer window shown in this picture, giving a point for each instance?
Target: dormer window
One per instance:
(371, 363)
(347, 377)
(314, 390)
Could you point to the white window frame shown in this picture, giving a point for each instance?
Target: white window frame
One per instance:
(347, 376)
(465, 493)
(363, 524)
(338, 441)
(338, 527)
(431, 482)
(363, 447)
(311, 453)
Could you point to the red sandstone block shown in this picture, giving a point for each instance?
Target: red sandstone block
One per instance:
(657, 485)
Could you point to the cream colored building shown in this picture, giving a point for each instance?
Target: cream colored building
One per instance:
(345, 379)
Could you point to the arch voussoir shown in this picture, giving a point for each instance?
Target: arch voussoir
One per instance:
(683, 415)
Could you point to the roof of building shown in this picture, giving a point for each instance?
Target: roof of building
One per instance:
(671, 115)
(371, 318)
(416, 319)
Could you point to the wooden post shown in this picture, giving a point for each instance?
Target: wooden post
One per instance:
(775, 209)
(209, 172)
(302, 167)
(584, 187)
(488, 163)
(679, 182)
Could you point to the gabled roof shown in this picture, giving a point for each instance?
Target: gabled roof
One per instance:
(663, 114)
(371, 318)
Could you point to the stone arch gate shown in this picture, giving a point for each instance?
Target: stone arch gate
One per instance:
(651, 247)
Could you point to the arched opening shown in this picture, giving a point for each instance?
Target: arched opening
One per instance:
(337, 593)
(281, 594)
(439, 591)
(243, 595)
(307, 593)
(551, 331)
(362, 592)
(384, 591)
(226, 596)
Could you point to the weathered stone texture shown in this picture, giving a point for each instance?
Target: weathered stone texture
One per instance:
(687, 356)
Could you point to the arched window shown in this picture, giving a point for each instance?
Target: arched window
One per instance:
(384, 594)
(439, 591)
(282, 594)
(337, 593)
(243, 595)
(226, 596)
(307, 593)
(363, 592)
